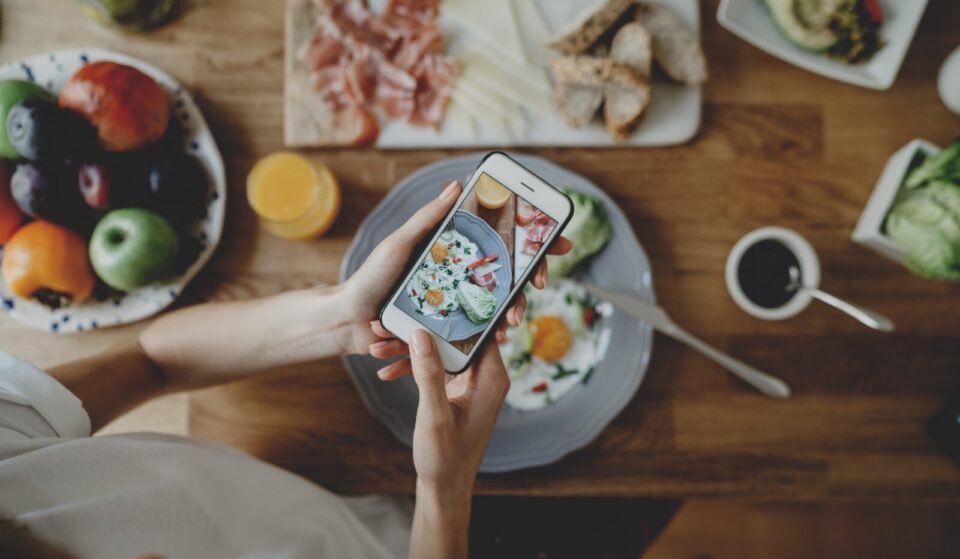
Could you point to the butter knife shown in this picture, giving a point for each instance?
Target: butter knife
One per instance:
(658, 318)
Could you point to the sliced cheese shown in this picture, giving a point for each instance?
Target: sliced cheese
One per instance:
(492, 22)
(533, 31)
(527, 77)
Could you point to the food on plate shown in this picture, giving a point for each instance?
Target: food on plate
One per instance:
(533, 227)
(476, 301)
(177, 187)
(360, 63)
(609, 58)
(133, 247)
(555, 347)
(591, 25)
(589, 230)
(455, 276)
(10, 216)
(11, 93)
(925, 218)
(846, 30)
(623, 107)
(38, 129)
(676, 48)
(127, 107)
(295, 197)
(49, 260)
(491, 194)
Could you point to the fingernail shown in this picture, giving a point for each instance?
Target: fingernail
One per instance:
(374, 323)
(422, 343)
(378, 345)
(448, 190)
(382, 373)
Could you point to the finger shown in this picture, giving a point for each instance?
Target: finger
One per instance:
(386, 349)
(491, 380)
(561, 246)
(395, 370)
(515, 314)
(540, 275)
(379, 330)
(501, 334)
(410, 233)
(431, 379)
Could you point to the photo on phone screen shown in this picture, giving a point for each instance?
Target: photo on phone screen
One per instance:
(467, 275)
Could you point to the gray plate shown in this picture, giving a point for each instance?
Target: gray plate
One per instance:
(521, 439)
(457, 326)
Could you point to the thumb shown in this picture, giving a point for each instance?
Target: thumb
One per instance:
(431, 378)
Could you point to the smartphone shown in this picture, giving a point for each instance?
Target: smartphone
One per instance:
(478, 260)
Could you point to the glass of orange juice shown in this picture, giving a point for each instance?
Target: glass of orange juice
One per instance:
(296, 198)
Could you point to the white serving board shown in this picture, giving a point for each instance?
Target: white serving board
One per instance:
(673, 116)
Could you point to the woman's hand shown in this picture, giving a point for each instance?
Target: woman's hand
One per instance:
(366, 290)
(455, 418)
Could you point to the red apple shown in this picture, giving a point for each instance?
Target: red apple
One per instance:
(127, 107)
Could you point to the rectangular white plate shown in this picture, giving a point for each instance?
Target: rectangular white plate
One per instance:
(750, 20)
(673, 116)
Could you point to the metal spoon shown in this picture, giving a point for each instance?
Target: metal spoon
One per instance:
(871, 318)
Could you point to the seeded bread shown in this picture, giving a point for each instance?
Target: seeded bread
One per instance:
(578, 103)
(596, 20)
(676, 48)
(624, 105)
(594, 71)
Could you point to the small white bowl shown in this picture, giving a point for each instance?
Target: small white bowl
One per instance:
(750, 20)
(948, 81)
(809, 271)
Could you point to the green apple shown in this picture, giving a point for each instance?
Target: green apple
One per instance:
(11, 93)
(132, 247)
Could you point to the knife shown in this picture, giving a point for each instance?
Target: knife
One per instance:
(658, 318)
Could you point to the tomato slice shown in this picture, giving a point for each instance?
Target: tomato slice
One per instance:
(873, 10)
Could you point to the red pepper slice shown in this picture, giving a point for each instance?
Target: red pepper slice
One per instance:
(589, 315)
(873, 10)
(542, 387)
(482, 261)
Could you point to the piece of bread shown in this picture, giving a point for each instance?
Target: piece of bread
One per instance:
(625, 104)
(633, 45)
(676, 48)
(596, 20)
(578, 103)
(595, 71)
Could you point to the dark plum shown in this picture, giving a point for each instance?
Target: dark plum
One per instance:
(50, 192)
(177, 187)
(40, 130)
(96, 185)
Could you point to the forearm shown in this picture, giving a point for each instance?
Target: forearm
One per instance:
(441, 523)
(221, 342)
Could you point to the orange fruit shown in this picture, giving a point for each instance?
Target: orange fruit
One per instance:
(491, 194)
(42, 255)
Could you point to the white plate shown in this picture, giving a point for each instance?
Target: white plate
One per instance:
(673, 116)
(522, 439)
(52, 70)
(750, 20)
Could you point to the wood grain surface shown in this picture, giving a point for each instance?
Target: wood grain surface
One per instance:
(778, 146)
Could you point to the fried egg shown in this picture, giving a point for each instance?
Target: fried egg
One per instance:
(434, 285)
(555, 347)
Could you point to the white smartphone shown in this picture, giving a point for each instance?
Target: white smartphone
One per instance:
(478, 259)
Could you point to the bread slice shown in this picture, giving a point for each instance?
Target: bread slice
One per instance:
(578, 103)
(676, 48)
(594, 71)
(596, 20)
(625, 104)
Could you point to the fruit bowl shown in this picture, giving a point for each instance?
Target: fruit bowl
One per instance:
(52, 70)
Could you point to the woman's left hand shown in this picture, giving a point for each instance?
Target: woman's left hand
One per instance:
(372, 283)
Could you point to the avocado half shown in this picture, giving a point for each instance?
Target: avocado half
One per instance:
(804, 22)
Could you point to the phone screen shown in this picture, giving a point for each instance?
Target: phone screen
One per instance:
(483, 251)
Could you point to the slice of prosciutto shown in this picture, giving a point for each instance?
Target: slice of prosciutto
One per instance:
(487, 281)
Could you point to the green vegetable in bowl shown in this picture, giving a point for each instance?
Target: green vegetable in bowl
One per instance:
(925, 223)
(476, 301)
(589, 230)
(942, 166)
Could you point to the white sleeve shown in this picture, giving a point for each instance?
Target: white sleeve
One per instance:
(34, 405)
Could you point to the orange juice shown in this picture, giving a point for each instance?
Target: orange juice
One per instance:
(295, 198)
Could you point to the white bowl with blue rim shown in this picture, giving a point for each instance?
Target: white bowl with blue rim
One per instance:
(52, 70)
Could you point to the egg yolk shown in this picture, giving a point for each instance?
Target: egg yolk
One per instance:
(551, 338)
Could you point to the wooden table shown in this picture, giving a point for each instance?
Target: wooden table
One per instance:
(778, 146)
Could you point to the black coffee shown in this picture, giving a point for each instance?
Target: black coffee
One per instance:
(764, 273)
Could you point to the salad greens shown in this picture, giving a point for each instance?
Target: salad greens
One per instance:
(925, 218)
(476, 301)
(589, 230)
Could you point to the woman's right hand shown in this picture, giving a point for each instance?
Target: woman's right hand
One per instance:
(455, 418)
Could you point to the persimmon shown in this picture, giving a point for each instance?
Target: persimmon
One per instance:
(43, 255)
(10, 216)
